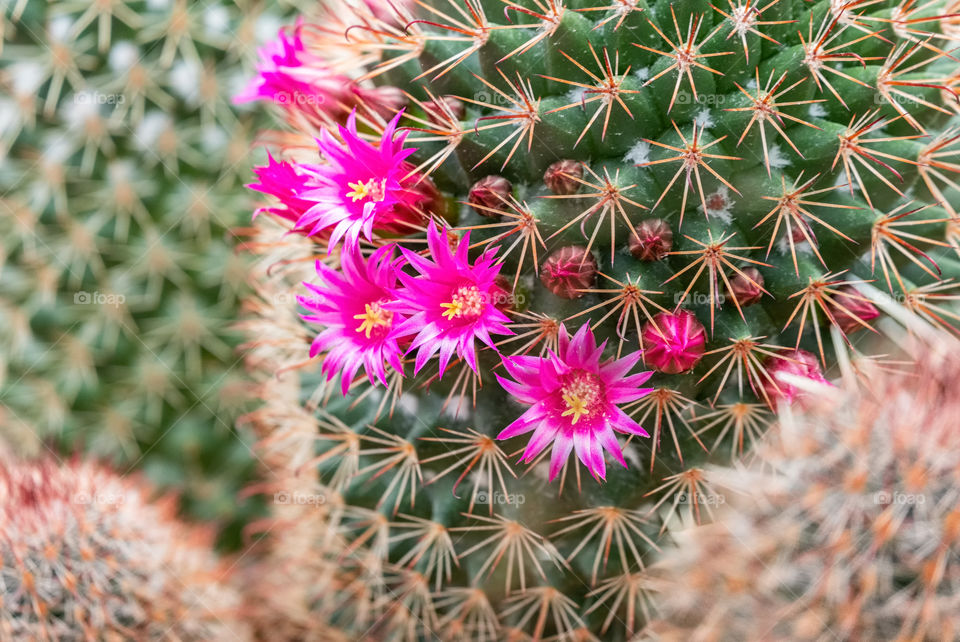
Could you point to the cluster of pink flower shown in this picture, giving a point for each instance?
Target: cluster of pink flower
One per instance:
(376, 308)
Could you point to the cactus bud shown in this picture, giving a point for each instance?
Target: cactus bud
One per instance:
(653, 240)
(852, 309)
(798, 363)
(569, 271)
(803, 232)
(436, 110)
(560, 178)
(489, 193)
(747, 288)
(673, 342)
(503, 296)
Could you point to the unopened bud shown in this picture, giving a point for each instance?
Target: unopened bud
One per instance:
(852, 310)
(562, 177)
(442, 108)
(569, 271)
(747, 287)
(673, 342)
(652, 241)
(798, 363)
(490, 193)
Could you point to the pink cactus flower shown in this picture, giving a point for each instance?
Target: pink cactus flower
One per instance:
(292, 77)
(799, 363)
(351, 304)
(287, 182)
(362, 187)
(574, 401)
(451, 303)
(674, 342)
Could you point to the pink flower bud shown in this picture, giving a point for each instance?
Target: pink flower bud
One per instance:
(747, 288)
(796, 362)
(491, 192)
(560, 178)
(674, 342)
(653, 240)
(502, 293)
(798, 235)
(851, 306)
(436, 108)
(569, 271)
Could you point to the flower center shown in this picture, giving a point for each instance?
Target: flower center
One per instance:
(372, 189)
(373, 318)
(466, 303)
(580, 394)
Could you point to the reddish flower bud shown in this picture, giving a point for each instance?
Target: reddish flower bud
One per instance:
(798, 233)
(653, 240)
(674, 342)
(568, 271)
(502, 293)
(407, 217)
(560, 178)
(747, 288)
(851, 308)
(453, 106)
(799, 363)
(491, 192)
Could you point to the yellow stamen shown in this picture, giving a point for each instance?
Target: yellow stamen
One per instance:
(466, 302)
(575, 406)
(373, 317)
(360, 190)
(453, 309)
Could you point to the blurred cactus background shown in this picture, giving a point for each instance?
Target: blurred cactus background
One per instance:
(85, 554)
(121, 178)
(845, 527)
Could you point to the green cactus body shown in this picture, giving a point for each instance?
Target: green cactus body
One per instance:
(748, 167)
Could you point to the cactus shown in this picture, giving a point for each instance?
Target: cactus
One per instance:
(850, 530)
(121, 180)
(85, 554)
(499, 219)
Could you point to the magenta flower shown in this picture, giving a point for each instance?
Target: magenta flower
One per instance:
(287, 182)
(451, 302)
(294, 78)
(352, 306)
(362, 187)
(289, 75)
(574, 401)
